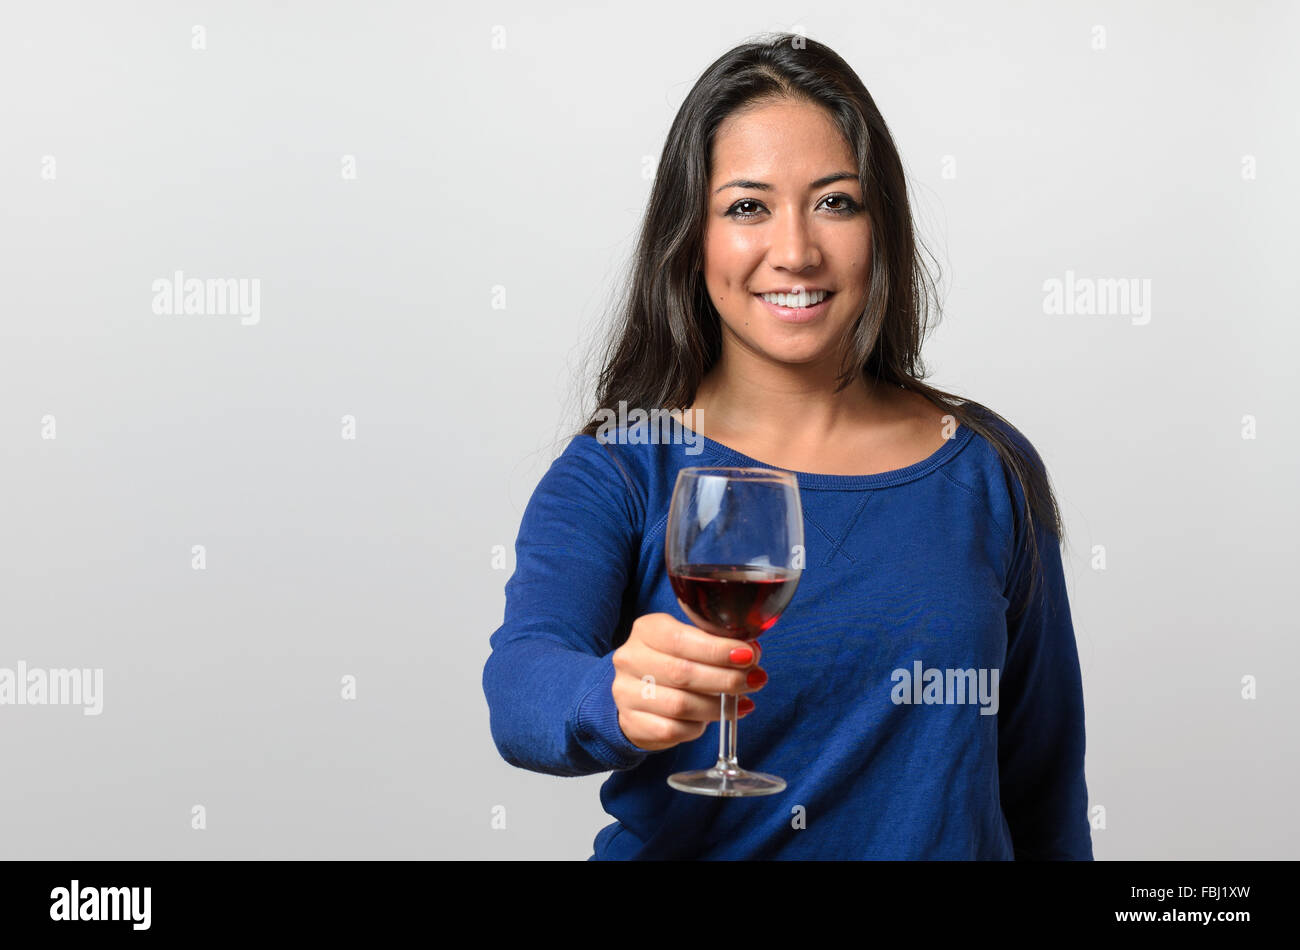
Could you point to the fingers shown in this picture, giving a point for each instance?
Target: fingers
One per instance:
(668, 702)
(675, 638)
(658, 732)
(653, 732)
(685, 657)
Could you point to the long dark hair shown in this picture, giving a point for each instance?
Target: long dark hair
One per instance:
(669, 335)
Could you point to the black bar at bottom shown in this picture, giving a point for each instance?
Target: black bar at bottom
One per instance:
(654, 901)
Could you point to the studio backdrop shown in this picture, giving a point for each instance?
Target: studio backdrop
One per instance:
(300, 302)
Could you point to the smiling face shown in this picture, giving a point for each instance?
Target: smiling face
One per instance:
(797, 221)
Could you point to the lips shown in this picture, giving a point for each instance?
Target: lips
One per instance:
(797, 314)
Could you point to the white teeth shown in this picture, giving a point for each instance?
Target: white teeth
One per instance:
(804, 299)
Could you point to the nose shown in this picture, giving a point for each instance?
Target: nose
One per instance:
(793, 246)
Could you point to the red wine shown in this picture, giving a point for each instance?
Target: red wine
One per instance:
(733, 601)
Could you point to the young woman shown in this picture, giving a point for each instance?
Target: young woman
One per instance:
(932, 534)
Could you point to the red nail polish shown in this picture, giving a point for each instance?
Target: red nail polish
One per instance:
(741, 655)
(756, 678)
(745, 704)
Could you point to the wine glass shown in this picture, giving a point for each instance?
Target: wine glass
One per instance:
(734, 549)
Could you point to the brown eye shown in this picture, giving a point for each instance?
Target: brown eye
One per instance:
(848, 205)
(736, 213)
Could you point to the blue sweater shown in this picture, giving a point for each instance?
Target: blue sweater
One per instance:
(910, 714)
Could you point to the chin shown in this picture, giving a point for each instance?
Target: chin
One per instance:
(795, 356)
(793, 348)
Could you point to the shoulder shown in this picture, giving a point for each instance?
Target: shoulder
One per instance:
(1026, 486)
(926, 416)
(642, 457)
(592, 460)
(1003, 430)
(1009, 450)
(999, 455)
(594, 472)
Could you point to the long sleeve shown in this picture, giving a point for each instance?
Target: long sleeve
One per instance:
(1041, 721)
(548, 677)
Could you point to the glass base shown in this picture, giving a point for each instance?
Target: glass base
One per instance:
(726, 783)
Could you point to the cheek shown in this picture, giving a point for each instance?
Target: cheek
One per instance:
(729, 265)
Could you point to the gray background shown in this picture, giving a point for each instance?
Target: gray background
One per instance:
(522, 168)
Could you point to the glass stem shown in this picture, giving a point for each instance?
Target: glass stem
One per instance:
(727, 763)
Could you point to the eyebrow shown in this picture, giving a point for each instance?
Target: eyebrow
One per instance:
(764, 186)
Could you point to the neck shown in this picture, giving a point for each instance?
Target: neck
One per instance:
(752, 398)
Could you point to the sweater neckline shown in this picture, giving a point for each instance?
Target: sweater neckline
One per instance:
(730, 458)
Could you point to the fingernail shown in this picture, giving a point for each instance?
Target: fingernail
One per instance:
(741, 655)
(745, 705)
(756, 677)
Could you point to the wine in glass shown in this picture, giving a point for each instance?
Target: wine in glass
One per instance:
(734, 549)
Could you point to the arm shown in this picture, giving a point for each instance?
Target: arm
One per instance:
(548, 678)
(1041, 721)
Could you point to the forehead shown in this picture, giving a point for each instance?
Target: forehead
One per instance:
(780, 140)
